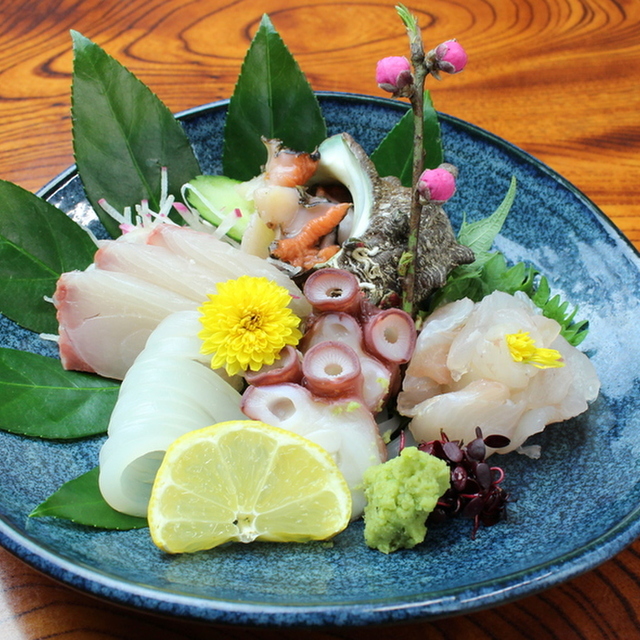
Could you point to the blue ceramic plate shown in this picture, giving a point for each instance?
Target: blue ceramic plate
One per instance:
(573, 508)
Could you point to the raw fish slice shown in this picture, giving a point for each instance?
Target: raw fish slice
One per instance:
(434, 341)
(105, 319)
(561, 393)
(209, 252)
(489, 388)
(473, 358)
(414, 391)
(482, 403)
(163, 268)
(166, 393)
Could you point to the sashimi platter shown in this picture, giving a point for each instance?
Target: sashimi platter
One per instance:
(294, 358)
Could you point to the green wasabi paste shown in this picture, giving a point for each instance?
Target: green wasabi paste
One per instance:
(400, 494)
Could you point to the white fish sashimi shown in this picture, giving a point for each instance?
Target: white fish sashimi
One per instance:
(480, 350)
(462, 374)
(434, 341)
(166, 393)
(482, 403)
(105, 319)
(163, 268)
(107, 312)
(210, 252)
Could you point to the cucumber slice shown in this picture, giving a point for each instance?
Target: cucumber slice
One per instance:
(219, 200)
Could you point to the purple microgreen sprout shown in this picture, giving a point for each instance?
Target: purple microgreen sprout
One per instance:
(475, 490)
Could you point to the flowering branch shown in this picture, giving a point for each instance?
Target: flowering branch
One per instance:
(394, 74)
(417, 105)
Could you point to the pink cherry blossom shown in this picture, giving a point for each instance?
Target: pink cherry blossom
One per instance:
(451, 56)
(437, 185)
(393, 73)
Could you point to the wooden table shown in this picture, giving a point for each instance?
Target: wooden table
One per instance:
(559, 79)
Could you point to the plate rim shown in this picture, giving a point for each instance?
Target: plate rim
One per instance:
(480, 594)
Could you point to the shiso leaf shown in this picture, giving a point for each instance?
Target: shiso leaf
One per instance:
(272, 98)
(38, 242)
(39, 398)
(80, 501)
(123, 135)
(480, 235)
(394, 155)
(490, 272)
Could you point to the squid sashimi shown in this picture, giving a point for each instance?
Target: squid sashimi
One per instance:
(105, 319)
(344, 427)
(465, 374)
(168, 391)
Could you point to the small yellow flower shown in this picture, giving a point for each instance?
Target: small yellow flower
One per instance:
(247, 323)
(523, 349)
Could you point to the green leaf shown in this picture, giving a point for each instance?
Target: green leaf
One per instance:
(481, 234)
(39, 398)
(38, 242)
(489, 272)
(394, 155)
(80, 501)
(559, 310)
(272, 98)
(123, 135)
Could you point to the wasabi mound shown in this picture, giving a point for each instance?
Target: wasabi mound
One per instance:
(401, 493)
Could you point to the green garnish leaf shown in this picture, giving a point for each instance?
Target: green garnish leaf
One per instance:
(272, 98)
(394, 155)
(80, 501)
(574, 331)
(123, 135)
(39, 398)
(38, 242)
(481, 234)
(490, 272)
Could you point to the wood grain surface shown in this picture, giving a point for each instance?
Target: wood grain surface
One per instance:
(558, 78)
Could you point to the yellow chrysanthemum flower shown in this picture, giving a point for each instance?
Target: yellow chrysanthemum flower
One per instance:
(247, 323)
(523, 349)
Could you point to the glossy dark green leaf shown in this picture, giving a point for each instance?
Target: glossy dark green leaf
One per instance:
(38, 242)
(80, 501)
(272, 98)
(123, 135)
(39, 398)
(394, 155)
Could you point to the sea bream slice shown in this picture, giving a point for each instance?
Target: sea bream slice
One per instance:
(107, 312)
(106, 317)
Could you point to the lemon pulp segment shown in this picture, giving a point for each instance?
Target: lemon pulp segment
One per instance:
(244, 480)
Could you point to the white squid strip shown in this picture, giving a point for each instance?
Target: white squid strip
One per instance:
(168, 391)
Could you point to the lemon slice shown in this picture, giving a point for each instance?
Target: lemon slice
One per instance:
(244, 480)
